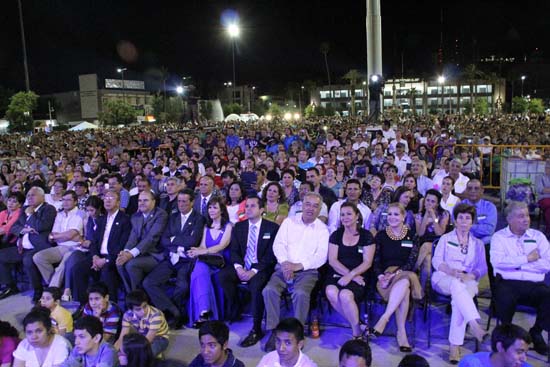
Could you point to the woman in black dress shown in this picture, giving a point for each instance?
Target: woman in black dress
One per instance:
(396, 254)
(350, 255)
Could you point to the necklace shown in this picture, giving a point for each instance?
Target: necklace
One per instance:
(398, 237)
(463, 243)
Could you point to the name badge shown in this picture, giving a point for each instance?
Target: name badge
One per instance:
(266, 236)
(384, 214)
(360, 249)
(529, 241)
(406, 244)
(481, 217)
(452, 244)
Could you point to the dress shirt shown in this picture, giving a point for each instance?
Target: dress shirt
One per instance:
(302, 243)
(486, 219)
(67, 221)
(255, 258)
(424, 184)
(460, 183)
(108, 226)
(449, 205)
(271, 359)
(401, 164)
(448, 251)
(124, 198)
(509, 255)
(334, 215)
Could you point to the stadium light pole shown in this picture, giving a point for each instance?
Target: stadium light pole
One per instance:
(121, 71)
(522, 81)
(441, 82)
(234, 31)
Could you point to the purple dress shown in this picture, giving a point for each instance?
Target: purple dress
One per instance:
(203, 290)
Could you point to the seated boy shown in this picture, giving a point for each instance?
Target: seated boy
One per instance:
(289, 341)
(108, 312)
(213, 339)
(355, 353)
(145, 319)
(62, 319)
(90, 350)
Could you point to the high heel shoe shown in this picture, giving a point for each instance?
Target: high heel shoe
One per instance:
(204, 317)
(374, 330)
(454, 354)
(402, 347)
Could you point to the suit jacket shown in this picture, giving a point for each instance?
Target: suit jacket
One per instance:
(42, 221)
(145, 234)
(118, 237)
(189, 236)
(198, 199)
(132, 207)
(264, 252)
(170, 207)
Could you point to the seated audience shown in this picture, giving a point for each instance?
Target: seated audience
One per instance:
(62, 319)
(355, 353)
(106, 311)
(9, 339)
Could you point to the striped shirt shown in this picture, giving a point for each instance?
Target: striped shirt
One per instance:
(153, 320)
(110, 317)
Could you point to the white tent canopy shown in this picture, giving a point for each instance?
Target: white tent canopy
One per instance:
(233, 117)
(84, 126)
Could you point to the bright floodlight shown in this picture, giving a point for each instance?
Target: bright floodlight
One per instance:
(374, 78)
(268, 117)
(296, 116)
(120, 70)
(179, 89)
(233, 30)
(288, 116)
(523, 77)
(441, 79)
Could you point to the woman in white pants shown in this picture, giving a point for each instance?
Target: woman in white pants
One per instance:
(459, 263)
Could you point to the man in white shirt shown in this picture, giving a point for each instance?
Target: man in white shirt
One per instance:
(296, 208)
(402, 160)
(301, 247)
(423, 183)
(521, 257)
(353, 193)
(398, 139)
(359, 143)
(455, 166)
(67, 233)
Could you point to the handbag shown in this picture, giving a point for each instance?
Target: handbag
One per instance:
(214, 260)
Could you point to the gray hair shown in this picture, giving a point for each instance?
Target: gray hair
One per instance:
(175, 179)
(314, 194)
(38, 189)
(513, 206)
(457, 161)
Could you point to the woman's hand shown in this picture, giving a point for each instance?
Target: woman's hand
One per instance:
(343, 281)
(196, 251)
(359, 280)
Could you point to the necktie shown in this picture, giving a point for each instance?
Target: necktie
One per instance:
(203, 207)
(250, 248)
(183, 220)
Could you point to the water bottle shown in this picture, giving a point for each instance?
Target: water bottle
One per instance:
(314, 330)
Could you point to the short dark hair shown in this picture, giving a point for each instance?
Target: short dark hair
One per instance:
(82, 183)
(54, 291)
(307, 183)
(217, 329)
(72, 193)
(38, 314)
(464, 208)
(19, 196)
(189, 192)
(98, 287)
(91, 324)
(507, 334)
(256, 197)
(136, 298)
(116, 176)
(228, 174)
(291, 325)
(138, 350)
(413, 360)
(356, 347)
(313, 169)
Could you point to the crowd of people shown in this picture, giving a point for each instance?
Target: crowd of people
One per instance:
(176, 224)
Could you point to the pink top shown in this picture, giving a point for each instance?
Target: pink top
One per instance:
(7, 345)
(7, 221)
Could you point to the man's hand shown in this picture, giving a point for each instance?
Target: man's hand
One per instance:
(533, 256)
(288, 270)
(98, 262)
(28, 229)
(466, 276)
(123, 257)
(85, 243)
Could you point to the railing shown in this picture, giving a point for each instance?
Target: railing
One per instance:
(490, 158)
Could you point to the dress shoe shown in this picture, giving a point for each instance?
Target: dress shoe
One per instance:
(454, 354)
(374, 333)
(252, 338)
(8, 292)
(270, 345)
(403, 348)
(539, 345)
(176, 323)
(205, 316)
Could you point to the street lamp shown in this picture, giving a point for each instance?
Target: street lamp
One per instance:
(233, 30)
(301, 97)
(179, 90)
(522, 81)
(121, 71)
(441, 81)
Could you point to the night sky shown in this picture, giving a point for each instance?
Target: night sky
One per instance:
(279, 43)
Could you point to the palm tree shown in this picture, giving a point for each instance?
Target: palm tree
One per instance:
(164, 77)
(352, 76)
(472, 75)
(325, 48)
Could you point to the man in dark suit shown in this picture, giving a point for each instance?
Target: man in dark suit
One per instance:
(168, 200)
(113, 230)
(143, 184)
(141, 253)
(184, 231)
(33, 227)
(206, 191)
(253, 263)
